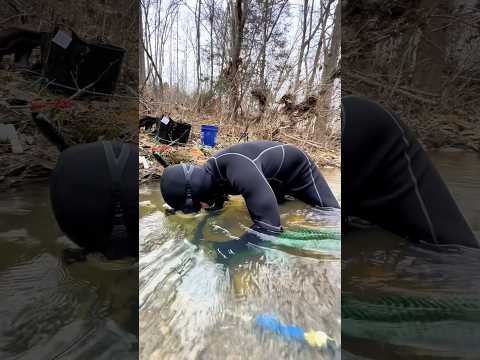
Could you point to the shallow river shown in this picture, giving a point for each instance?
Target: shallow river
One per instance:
(50, 310)
(431, 298)
(194, 306)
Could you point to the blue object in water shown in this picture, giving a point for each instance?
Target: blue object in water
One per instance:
(313, 338)
(209, 135)
(271, 323)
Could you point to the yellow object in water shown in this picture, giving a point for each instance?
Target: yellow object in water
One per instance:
(298, 220)
(295, 219)
(317, 338)
(242, 283)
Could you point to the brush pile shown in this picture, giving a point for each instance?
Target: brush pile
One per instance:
(417, 59)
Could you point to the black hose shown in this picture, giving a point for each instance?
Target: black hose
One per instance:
(160, 159)
(49, 131)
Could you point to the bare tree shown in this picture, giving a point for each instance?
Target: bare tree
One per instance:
(141, 53)
(198, 10)
(307, 37)
(302, 45)
(251, 51)
(329, 74)
(238, 16)
(325, 15)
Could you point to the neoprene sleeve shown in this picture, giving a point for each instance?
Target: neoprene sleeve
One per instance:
(255, 189)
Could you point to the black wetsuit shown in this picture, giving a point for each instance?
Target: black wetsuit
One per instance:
(263, 172)
(388, 179)
(94, 195)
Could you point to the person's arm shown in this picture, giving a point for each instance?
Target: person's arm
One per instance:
(244, 177)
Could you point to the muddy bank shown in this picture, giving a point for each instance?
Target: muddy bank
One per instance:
(79, 120)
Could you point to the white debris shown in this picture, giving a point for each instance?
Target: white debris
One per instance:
(144, 162)
(8, 133)
(62, 39)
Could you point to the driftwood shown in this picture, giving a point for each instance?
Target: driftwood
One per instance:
(309, 142)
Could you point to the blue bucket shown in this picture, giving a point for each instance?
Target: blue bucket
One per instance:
(209, 135)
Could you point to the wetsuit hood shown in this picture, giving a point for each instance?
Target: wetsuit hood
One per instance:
(183, 186)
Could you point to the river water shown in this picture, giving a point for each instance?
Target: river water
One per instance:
(193, 306)
(378, 265)
(50, 310)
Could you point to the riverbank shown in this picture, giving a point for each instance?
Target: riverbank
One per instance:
(325, 152)
(78, 119)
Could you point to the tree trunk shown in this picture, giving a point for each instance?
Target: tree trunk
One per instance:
(212, 16)
(324, 16)
(238, 17)
(302, 46)
(330, 72)
(199, 74)
(310, 36)
(141, 52)
(263, 59)
(176, 48)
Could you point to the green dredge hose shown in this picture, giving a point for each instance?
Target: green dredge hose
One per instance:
(310, 239)
(310, 234)
(436, 323)
(450, 339)
(393, 308)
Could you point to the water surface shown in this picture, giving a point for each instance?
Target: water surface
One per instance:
(50, 310)
(194, 306)
(376, 265)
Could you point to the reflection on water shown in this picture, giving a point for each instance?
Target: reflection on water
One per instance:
(193, 306)
(401, 300)
(52, 310)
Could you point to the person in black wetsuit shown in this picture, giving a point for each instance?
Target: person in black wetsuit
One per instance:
(94, 195)
(263, 172)
(388, 179)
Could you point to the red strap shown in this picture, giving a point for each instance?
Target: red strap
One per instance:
(38, 105)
